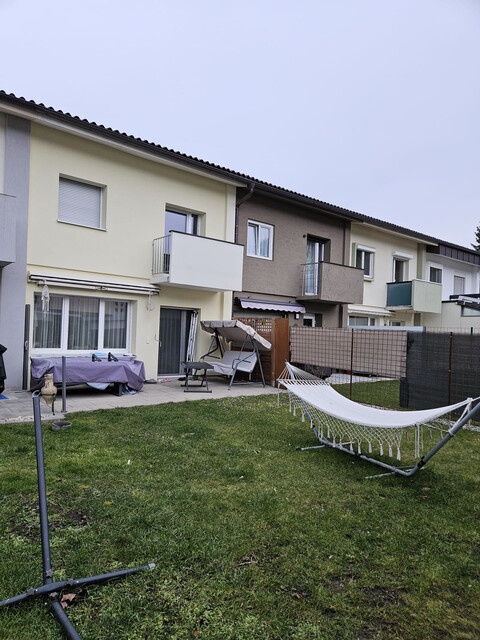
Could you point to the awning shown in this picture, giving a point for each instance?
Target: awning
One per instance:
(234, 331)
(83, 283)
(466, 301)
(368, 311)
(268, 305)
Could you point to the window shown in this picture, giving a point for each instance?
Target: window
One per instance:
(80, 203)
(435, 274)
(361, 321)
(468, 312)
(364, 260)
(315, 255)
(76, 323)
(400, 267)
(458, 285)
(260, 240)
(183, 222)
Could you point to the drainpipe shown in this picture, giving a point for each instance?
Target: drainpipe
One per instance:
(246, 197)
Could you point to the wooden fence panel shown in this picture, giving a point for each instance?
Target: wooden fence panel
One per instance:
(275, 330)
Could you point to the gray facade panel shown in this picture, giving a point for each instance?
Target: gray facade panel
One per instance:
(13, 276)
(7, 230)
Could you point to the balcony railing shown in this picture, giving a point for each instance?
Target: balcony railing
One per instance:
(185, 260)
(415, 295)
(333, 283)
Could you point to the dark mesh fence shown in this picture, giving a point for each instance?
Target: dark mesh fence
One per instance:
(408, 369)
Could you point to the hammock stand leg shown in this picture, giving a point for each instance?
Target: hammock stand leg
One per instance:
(319, 446)
(401, 470)
(49, 587)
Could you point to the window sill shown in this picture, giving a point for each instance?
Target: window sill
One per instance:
(84, 226)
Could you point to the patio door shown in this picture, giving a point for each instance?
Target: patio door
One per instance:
(177, 339)
(314, 257)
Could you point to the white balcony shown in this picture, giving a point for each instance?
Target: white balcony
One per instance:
(415, 295)
(195, 262)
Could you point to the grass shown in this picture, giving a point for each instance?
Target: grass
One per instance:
(252, 539)
(382, 393)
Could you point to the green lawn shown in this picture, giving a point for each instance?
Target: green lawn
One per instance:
(252, 539)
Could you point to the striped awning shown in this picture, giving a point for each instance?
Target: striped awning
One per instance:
(269, 305)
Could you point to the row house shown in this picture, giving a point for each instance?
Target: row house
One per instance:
(296, 258)
(411, 279)
(108, 243)
(112, 243)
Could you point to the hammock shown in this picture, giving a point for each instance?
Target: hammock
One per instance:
(355, 428)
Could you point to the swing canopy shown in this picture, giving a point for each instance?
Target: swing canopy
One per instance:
(235, 332)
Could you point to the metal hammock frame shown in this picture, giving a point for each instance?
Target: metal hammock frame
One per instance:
(352, 427)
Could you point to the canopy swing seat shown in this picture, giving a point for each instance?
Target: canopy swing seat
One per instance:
(244, 353)
(357, 429)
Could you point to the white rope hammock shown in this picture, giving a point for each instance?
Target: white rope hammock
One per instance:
(340, 422)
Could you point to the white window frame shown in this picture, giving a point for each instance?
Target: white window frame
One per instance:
(64, 350)
(370, 321)
(261, 225)
(192, 219)
(71, 209)
(456, 278)
(363, 251)
(309, 316)
(405, 258)
(438, 267)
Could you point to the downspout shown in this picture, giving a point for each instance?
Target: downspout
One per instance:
(238, 204)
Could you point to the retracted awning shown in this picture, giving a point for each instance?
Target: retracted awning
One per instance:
(84, 283)
(269, 305)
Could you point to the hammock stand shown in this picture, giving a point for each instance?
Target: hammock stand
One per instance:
(51, 588)
(342, 424)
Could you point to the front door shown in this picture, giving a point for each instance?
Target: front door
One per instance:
(177, 335)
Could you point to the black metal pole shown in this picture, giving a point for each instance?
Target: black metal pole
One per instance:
(26, 346)
(50, 587)
(42, 491)
(64, 384)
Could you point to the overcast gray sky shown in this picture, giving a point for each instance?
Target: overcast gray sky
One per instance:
(372, 105)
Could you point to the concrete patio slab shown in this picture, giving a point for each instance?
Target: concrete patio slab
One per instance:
(18, 407)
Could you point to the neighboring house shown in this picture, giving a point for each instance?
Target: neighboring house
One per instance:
(296, 261)
(458, 270)
(409, 278)
(108, 243)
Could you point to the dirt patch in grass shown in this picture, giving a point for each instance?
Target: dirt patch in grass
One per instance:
(380, 596)
(27, 524)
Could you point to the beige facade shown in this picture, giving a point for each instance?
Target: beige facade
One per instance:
(396, 291)
(112, 263)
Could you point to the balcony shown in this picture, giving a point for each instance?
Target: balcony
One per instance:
(7, 230)
(415, 295)
(195, 262)
(331, 283)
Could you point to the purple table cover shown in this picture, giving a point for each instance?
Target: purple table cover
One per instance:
(81, 370)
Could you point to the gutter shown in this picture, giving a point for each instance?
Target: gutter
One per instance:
(239, 203)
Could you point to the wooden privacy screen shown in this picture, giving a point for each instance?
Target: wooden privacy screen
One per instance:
(275, 330)
(376, 352)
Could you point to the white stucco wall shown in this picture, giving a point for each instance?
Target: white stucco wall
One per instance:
(385, 245)
(136, 192)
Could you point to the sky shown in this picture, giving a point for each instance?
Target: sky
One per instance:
(371, 105)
